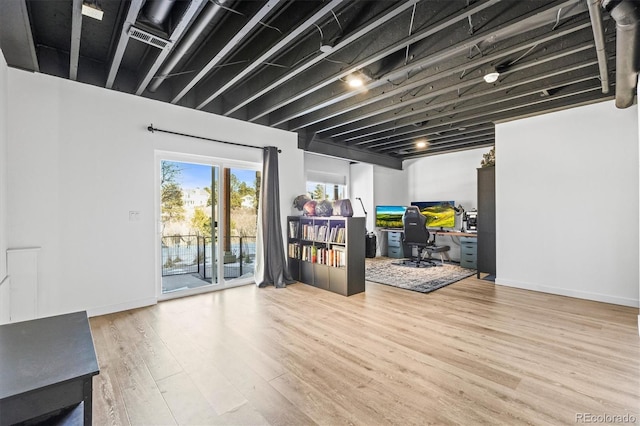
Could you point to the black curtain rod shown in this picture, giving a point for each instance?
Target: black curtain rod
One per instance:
(155, 129)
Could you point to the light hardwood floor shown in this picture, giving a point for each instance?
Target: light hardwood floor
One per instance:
(470, 353)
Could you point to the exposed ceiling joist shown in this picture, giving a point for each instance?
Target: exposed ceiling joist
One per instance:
(286, 64)
(235, 41)
(395, 47)
(132, 15)
(76, 29)
(283, 79)
(384, 88)
(297, 32)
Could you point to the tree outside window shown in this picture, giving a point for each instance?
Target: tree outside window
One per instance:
(326, 191)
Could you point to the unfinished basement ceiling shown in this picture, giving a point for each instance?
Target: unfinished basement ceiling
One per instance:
(288, 64)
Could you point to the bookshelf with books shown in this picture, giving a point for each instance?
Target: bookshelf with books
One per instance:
(327, 252)
(294, 249)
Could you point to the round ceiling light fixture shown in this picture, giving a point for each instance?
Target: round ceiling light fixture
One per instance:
(492, 76)
(326, 48)
(421, 143)
(494, 73)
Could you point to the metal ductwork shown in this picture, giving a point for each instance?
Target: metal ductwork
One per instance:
(212, 12)
(157, 11)
(626, 15)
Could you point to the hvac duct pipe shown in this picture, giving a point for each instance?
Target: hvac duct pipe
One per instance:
(156, 11)
(625, 13)
(205, 18)
(598, 37)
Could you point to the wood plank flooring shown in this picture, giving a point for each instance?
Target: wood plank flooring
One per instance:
(470, 353)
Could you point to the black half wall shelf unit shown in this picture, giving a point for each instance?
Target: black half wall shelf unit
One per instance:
(486, 260)
(327, 252)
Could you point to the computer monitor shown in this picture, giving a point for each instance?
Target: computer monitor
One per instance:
(389, 216)
(439, 214)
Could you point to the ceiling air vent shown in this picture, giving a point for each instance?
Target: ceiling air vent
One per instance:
(148, 38)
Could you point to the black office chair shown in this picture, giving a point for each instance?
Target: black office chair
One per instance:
(416, 235)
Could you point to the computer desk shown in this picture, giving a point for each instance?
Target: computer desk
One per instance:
(435, 232)
(468, 246)
(391, 244)
(455, 233)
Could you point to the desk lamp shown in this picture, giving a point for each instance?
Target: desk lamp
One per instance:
(460, 212)
(365, 213)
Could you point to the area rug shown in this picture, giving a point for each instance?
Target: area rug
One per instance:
(391, 272)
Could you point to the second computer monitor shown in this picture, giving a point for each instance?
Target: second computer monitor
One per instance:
(439, 214)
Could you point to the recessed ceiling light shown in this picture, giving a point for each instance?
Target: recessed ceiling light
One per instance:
(355, 81)
(421, 144)
(358, 79)
(92, 10)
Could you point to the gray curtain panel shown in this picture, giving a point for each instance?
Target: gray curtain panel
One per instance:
(273, 270)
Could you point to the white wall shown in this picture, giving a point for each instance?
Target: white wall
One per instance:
(336, 169)
(376, 186)
(3, 165)
(361, 186)
(446, 177)
(390, 186)
(567, 203)
(80, 158)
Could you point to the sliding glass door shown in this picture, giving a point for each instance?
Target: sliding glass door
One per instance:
(208, 222)
(189, 225)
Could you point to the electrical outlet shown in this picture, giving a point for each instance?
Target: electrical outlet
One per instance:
(134, 216)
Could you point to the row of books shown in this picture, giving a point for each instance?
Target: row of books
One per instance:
(335, 257)
(293, 229)
(323, 233)
(294, 250)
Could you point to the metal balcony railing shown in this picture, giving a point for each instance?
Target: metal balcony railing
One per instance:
(192, 254)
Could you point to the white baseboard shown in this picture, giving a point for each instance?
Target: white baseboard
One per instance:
(597, 297)
(109, 309)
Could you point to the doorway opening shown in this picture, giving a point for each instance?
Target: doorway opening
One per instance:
(208, 225)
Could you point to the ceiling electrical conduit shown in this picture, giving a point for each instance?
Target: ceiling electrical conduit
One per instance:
(598, 37)
(211, 12)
